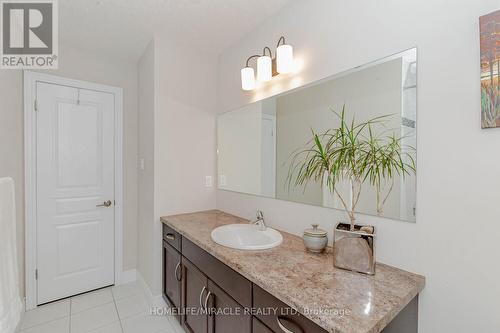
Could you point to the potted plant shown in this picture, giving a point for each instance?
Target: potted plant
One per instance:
(355, 153)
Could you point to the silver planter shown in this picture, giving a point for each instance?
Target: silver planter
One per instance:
(354, 250)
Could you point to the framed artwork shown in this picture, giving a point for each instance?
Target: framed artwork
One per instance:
(489, 26)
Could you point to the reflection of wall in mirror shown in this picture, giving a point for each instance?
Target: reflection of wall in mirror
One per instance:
(368, 93)
(247, 149)
(268, 159)
(408, 133)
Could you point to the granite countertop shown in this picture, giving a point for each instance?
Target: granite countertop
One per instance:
(337, 300)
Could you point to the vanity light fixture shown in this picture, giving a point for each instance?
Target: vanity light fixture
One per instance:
(267, 66)
(247, 78)
(284, 57)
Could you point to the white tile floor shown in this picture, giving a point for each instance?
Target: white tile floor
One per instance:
(120, 309)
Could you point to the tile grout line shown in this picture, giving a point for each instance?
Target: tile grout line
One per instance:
(70, 304)
(96, 306)
(44, 323)
(117, 313)
(103, 325)
(20, 330)
(92, 307)
(70, 314)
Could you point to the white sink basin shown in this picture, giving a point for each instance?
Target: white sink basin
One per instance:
(246, 237)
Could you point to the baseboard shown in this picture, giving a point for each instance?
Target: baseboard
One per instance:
(128, 276)
(152, 299)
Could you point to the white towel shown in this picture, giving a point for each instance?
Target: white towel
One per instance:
(10, 299)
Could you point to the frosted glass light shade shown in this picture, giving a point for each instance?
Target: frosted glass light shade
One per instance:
(284, 59)
(247, 78)
(264, 69)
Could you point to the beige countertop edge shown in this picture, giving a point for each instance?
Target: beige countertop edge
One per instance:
(377, 327)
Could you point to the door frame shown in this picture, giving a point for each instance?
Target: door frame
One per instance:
(30, 145)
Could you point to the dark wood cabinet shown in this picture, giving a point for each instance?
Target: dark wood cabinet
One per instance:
(172, 237)
(226, 278)
(258, 327)
(225, 314)
(194, 293)
(172, 275)
(213, 298)
(284, 318)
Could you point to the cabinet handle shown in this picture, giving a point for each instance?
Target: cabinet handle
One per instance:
(283, 328)
(206, 301)
(201, 296)
(176, 270)
(170, 236)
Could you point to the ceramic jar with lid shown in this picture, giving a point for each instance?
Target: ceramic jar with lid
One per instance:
(315, 239)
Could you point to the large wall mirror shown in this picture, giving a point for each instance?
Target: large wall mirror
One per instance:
(257, 144)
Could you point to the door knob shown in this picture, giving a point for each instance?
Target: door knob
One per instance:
(105, 204)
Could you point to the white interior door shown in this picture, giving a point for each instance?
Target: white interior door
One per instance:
(75, 175)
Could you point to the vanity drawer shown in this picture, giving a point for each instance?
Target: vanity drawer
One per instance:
(172, 237)
(235, 285)
(284, 319)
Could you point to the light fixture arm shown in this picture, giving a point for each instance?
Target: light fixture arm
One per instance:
(281, 41)
(250, 58)
(268, 49)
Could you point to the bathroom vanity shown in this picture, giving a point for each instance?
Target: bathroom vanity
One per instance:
(284, 289)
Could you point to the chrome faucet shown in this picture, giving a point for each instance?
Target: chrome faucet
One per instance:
(259, 221)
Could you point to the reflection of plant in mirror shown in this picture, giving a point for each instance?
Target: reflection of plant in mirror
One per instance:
(352, 152)
(386, 158)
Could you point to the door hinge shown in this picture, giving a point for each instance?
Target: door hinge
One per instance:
(36, 274)
(36, 105)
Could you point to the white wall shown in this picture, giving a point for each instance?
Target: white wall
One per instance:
(455, 240)
(185, 128)
(12, 149)
(88, 67)
(146, 185)
(183, 142)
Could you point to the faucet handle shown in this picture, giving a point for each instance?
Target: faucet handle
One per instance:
(260, 215)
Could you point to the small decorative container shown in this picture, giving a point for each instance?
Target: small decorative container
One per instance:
(354, 250)
(315, 239)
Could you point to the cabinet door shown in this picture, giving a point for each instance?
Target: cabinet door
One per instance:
(172, 275)
(258, 327)
(194, 292)
(225, 315)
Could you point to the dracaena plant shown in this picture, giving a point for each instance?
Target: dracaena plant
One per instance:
(356, 153)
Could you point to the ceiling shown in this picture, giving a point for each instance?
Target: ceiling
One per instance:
(123, 28)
